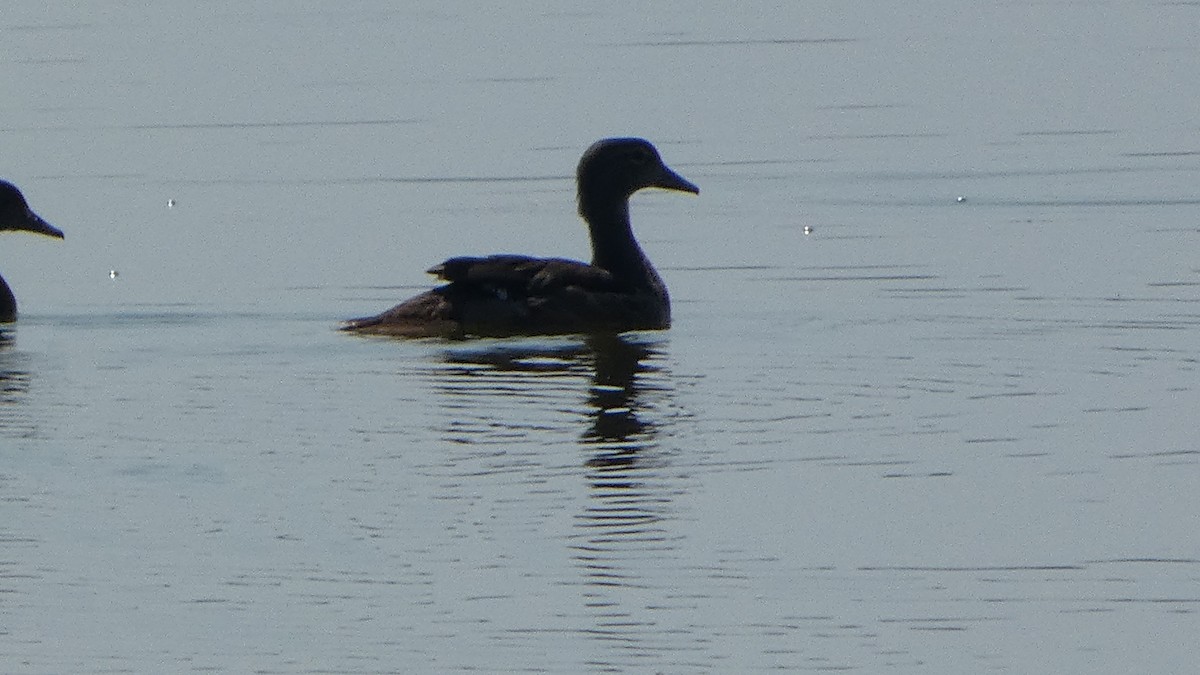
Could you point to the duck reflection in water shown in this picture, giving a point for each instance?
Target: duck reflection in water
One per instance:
(624, 374)
(617, 432)
(621, 370)
(623, 464)
(15, 413)
(622, 532)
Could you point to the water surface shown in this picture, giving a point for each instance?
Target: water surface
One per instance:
(947, 428)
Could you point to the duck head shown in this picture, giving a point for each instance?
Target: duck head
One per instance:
(614, 168)
(15, 213)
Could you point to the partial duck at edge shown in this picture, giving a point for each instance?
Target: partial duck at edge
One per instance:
(15, 214)
(504, 295)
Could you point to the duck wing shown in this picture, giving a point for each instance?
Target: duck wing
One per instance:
(505, 295)
(524, 276)
(520, 295)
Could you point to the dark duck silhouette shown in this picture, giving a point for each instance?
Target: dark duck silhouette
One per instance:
(15, 214)
(503, 295)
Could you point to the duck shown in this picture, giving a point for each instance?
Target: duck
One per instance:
(507, 295)
(15, 214)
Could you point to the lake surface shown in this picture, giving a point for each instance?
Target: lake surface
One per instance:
(950, 427)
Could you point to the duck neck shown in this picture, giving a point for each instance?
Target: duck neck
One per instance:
(8, 304)
(614, 248)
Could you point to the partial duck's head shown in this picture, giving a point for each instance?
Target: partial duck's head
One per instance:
(614, 168)
(15, 213)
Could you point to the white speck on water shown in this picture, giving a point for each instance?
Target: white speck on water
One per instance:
(170, 203)
(960, 199)
(808, 229)
(113, 274)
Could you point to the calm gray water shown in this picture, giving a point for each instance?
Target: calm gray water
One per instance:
(950, 429)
